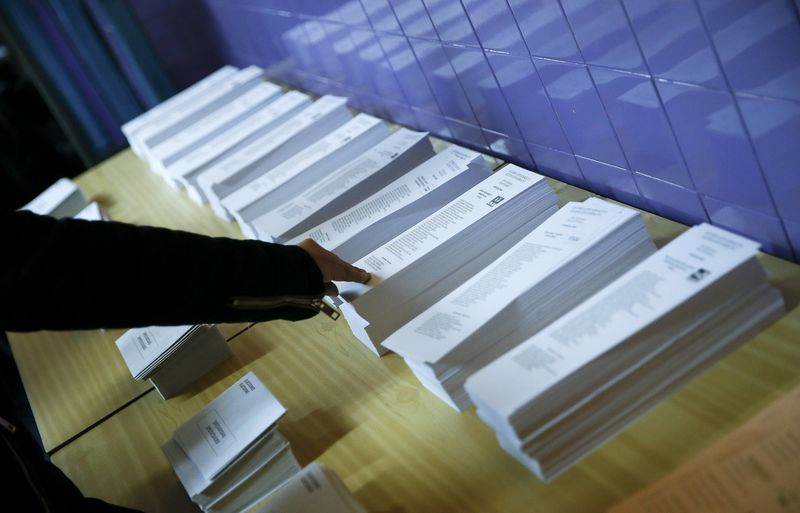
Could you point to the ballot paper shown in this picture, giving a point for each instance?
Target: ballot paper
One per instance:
(418, 267)
(173, 357)
(93, 212)
(270, 150)
(344, 187)
(167, 125)
(187, 168)
(400, 205)
(175, 103)
(573, 254)
(315, 489)
(304, 169)
(561, 393)
(755, 467)
(230, 455)
(199, 133)
(61, 199)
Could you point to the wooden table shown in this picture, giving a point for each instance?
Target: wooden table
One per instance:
(397, 447)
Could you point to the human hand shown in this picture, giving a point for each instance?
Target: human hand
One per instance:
(332, 267)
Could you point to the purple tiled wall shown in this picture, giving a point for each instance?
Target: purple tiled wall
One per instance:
(687, 108)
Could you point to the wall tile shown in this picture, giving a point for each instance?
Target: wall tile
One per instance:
(641, 125)
(545, 29)
(433, 123)
(528, 101)
(495, 26)
(481, 89)
(766, 229)
(611, 181)
(793, 231)
(451, 22)
(381, 16)
(603, 33)
(408, 72)
(442, 80)
(580, 111)
(509, 148)
(675, 45)
(717, 151)
(557, 164)
(669, 200)
(757, 42)
(414, 18)
(470, 135)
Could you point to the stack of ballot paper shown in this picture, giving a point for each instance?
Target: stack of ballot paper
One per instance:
(344, 187)
(62, 199)
(303, 170)
(173, 357)
(203, 107)
(202, 131)
(93, 212)
(570, 256)
(418, 267)
(172, 106)
(563, 392)
(187, 168)
(400, 205)
(315, 489)
(230, 455)
(271, 149)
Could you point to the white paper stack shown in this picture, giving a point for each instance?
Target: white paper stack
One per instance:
(344, 187)
(400, 205)
(174, 105)
(271, 149)
(566, 390)
(423, 264)
(186, 169)
(570, 256)
(62, 199)
(303, 170)
(215, 123)
(166, 125)
(315, 489)
(93, 212)
(230, 455)
(173, 357)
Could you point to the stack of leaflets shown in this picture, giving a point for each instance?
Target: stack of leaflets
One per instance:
(315, 489)
(230, 455)
(187, 168)
(271, 149)
(400, 205)
(421, 265)
(62, 199)
(562, 393)
(202, 131)
(573, 254)
(344, 187)
(304, 169)
(173, 357)
(202, 108)
(93, 212)
(175, 104)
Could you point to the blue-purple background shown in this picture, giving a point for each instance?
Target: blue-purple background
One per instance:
(687, 108)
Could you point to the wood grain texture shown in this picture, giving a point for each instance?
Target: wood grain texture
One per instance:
(401, 450)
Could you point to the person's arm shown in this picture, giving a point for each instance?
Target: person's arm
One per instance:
(71, 274)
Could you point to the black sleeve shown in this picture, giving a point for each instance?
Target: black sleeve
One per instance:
(73, 274)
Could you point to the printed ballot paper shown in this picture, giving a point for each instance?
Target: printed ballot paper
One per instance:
(422, 264)
(564, 391)
(342, 188)
(61, 199)
(315, 489)
(573, 254)
(271, 149)
(173, 357)
(304, 169)
(400, 205)
(230, 455)
(187, 168)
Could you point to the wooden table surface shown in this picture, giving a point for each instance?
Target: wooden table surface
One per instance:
(397, 447)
